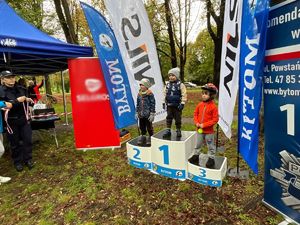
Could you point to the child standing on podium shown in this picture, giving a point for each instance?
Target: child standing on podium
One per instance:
(205, 117)
(145, 111)
(175, 99)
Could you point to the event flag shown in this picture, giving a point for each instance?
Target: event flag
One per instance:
(89, 100)
(229, 64)
(135, 38)
(114, 71)
(252, 53)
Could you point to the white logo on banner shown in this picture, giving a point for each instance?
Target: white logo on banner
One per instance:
(8, 42)
(105, 41)
(288, 176)
(93, 85)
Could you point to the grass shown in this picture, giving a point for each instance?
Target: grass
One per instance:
(99, 187)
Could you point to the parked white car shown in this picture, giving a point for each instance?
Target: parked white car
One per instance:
(190, 84)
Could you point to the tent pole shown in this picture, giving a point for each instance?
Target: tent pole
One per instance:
(64, 97)
(45, 86)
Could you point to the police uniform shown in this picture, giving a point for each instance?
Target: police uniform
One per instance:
(20, 138)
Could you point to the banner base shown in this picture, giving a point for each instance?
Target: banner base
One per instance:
(241, 174)
(285, 222)
(287, 218)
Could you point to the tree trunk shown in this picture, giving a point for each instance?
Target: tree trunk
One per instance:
(217, 62)
(48, 85)
(216, 36)
(63, 22)
(69, 21)
(171, 34)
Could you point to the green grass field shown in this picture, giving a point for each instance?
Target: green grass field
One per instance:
(99, 187)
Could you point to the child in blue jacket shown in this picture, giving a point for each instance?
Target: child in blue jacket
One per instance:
(145, 111)
(3, 105)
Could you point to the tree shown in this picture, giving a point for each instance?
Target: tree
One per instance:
(168, 16)
(65, 20)
(156, 17)
(171, 39)
(181, 25)
(200, 59)
(29, 10)
(216, 35)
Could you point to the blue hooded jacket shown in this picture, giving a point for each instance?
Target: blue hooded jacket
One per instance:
(2, 105)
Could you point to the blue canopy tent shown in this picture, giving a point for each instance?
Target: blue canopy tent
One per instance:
(25, 50)
(28, 51)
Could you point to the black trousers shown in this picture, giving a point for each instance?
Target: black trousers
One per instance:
(145, 126)
(174, 113)
(20, 141)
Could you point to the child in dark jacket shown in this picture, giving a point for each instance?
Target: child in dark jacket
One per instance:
(175, 98)
(205, 117)
(145, 111)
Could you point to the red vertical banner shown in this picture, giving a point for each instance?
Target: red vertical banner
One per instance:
(92, 115)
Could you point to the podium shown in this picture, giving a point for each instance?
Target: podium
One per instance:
(138, 156)
(170, 156)
(206, 176)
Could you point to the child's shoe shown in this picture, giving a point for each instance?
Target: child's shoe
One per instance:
(178, 133)
(141, 141)
(148, 142)
(210, 163)
(203, 158)
(167, 134)
(194, 159)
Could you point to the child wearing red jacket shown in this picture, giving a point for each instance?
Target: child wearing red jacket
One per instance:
(205, 117)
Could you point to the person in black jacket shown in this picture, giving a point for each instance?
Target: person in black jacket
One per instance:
(18, 127)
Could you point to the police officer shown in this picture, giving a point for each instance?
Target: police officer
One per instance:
(19, 131)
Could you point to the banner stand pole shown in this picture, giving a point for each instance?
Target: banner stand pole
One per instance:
(217, 141)
(220, 148)
(64, 98)
(237, 172)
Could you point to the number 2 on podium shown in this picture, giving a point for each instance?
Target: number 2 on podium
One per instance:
(165, 150)
(137, 154)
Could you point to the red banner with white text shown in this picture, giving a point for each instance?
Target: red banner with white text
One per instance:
(92, 115)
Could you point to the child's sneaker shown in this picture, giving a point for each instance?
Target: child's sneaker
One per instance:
(148, 142)
(203, 159)
(194, 159)
(4, 179)
(178, 133)
(210, 163)
(167, 134)
(141, 141)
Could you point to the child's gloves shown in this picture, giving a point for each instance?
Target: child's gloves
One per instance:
(151, 117)
(136, 116)
(164, 106)
(181, 106)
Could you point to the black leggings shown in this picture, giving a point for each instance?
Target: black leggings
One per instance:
(145, 126)
(174, 113)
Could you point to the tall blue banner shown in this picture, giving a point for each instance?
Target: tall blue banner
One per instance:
(115, 75)
(252, 53)
(282, 109)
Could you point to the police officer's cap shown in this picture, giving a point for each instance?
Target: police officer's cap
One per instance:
(6, 73)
